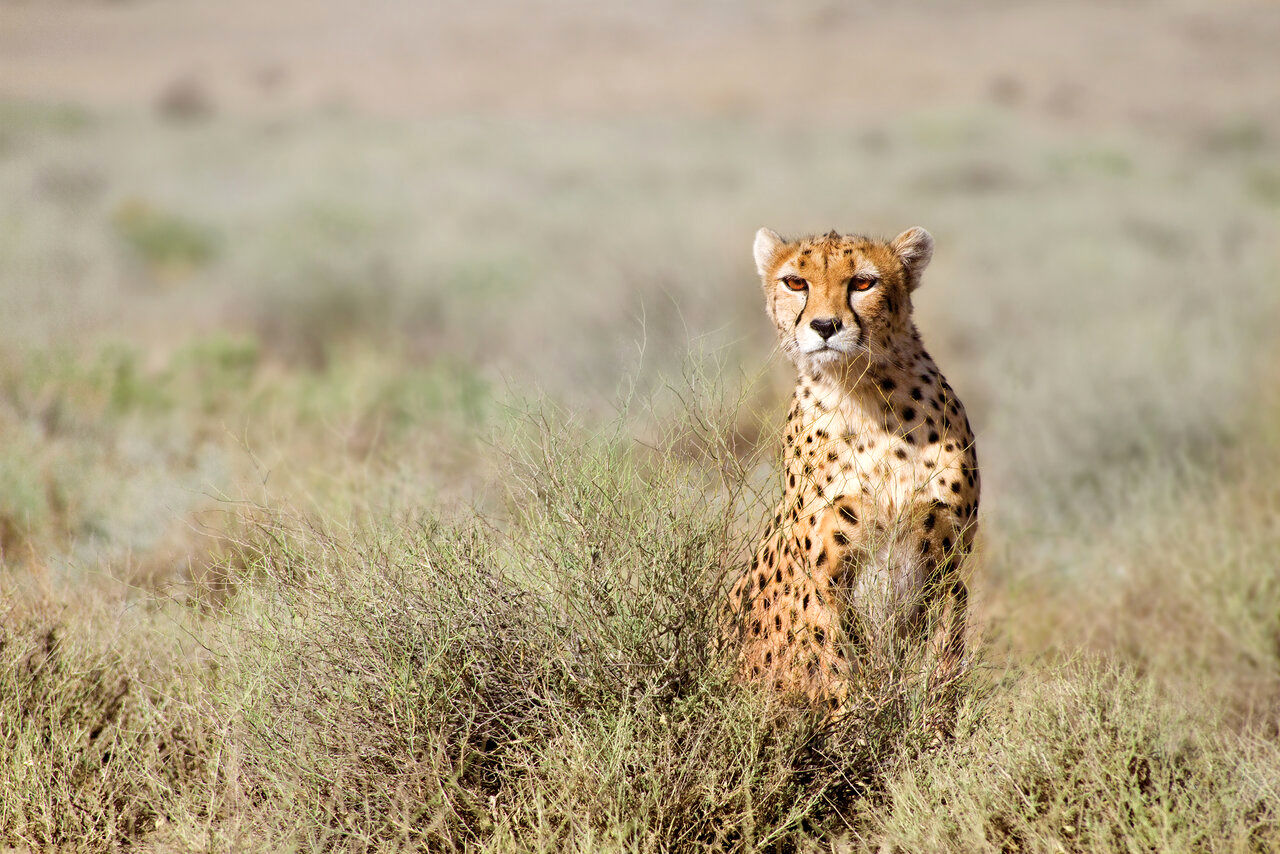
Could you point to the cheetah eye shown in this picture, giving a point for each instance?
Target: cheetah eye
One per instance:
(863, 283)
(795, 283)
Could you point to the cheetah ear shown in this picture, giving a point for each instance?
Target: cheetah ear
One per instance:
(766, 248)
(914, 248)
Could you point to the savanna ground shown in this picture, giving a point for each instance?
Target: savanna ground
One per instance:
(384, 396)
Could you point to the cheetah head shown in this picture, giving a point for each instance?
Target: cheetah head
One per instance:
(839, 299)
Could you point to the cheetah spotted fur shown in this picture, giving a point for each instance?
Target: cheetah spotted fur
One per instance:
(880, 472)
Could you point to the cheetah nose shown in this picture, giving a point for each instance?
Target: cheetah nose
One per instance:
(826, 327)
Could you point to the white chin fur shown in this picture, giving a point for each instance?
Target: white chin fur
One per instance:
(825, 357)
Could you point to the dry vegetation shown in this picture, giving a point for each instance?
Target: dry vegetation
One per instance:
(370, 484)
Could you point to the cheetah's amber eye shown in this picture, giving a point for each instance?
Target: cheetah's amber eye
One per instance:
(795, 283)
(863, 283)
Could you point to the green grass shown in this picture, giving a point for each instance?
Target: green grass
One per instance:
(168, 245)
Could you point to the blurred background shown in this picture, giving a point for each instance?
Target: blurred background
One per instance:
(314, 249)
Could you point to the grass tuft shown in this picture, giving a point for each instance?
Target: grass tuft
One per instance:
(1086, 757)
(97, 742)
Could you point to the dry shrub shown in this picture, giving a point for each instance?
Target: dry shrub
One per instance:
(557, 683)
(95, 745)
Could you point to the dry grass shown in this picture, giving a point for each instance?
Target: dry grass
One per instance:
(1086, 756)
(99, 735)
(559, 682)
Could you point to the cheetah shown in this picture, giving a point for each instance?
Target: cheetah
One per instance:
(880, 473)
